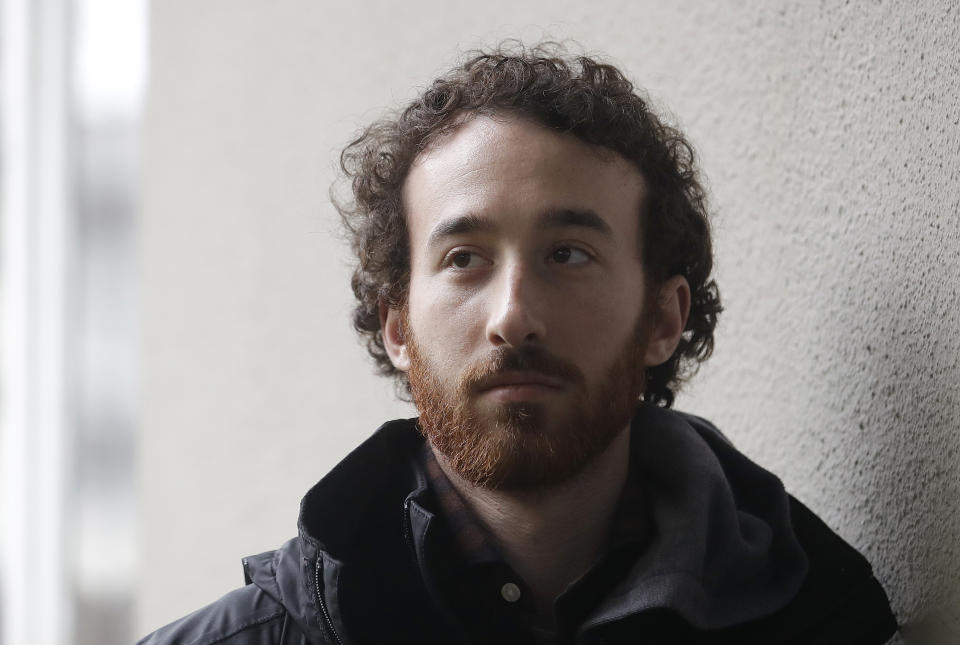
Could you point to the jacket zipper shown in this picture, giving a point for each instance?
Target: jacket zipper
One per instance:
(406, 523)
(323, 606)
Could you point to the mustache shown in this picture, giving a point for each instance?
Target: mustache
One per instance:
(528, 358)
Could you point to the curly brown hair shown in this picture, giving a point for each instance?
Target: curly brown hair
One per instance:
(577, 95)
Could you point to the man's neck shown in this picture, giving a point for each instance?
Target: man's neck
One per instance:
(552, 536)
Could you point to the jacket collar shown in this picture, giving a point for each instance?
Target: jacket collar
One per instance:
(350, 526)
(723, 552)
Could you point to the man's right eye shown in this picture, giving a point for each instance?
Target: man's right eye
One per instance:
(465, 260)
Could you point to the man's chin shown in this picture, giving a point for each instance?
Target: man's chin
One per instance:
(513, 417)
(517, 447)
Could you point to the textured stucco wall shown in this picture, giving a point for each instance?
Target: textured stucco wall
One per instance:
(829, 134)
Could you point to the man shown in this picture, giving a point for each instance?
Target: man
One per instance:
(534, 263)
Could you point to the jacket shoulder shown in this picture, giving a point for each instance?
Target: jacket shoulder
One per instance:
(839, 603)
(842, 600)
(245, 616)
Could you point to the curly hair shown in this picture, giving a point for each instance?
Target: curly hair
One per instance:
(576, 95)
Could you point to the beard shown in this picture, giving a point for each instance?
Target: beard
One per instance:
(523, 446)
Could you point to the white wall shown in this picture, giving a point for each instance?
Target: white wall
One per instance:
(829, 133)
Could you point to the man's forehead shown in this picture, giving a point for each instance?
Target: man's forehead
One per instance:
(511, 165)
(474, 133)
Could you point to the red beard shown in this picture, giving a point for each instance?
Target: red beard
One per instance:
(518, 446)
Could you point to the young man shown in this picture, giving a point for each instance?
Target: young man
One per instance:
(534, 265)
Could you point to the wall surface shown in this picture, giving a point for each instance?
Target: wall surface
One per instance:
(829, 134)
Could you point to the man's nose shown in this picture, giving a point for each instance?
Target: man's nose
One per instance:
(516, 310)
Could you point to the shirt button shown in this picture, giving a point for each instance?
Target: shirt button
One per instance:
(510, 592)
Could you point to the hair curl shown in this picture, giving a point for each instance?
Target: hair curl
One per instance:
(577, 95)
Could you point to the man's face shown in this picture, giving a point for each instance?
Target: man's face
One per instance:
(524, 329)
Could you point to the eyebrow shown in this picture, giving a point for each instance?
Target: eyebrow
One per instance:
(554, 218)
(469, 223)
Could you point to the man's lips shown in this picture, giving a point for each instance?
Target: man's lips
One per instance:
(519, 382)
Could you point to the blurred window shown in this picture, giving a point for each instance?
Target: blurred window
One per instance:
(72, 76)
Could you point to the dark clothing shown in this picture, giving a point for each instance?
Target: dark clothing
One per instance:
(476, 573)
(707, 548)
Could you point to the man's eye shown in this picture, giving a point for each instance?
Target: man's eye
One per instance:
(466, 260)
(569, 255)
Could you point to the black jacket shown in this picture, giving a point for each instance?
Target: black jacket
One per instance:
(358, 572)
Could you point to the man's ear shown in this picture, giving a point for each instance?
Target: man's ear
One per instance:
(394, 336)
(671, 309)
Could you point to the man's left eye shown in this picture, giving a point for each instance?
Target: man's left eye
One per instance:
(569, 255)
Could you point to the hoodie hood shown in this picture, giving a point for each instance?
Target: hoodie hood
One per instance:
(723, 550)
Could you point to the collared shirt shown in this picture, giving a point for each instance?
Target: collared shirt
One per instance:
(484, 591)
